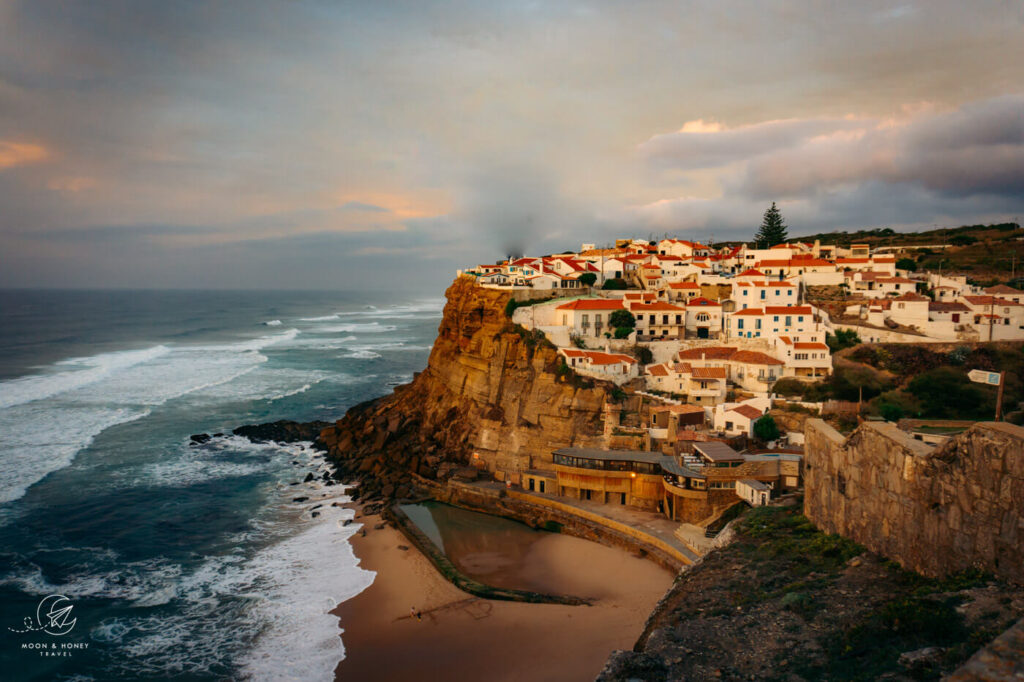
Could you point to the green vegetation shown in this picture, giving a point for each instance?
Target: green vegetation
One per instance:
(906, 264)
(765, 429)
(934, 385)
(772, 230)
(843, 338)
(617, 394)
(622, 318)
(512, 305)
(587, 279)
(614, 284)
(623, 322)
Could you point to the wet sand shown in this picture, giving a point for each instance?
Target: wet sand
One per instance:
(461, 637)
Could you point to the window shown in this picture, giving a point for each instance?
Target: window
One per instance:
(757, 323)
(776, 318)
(703, 317)
(798, 319)
(789, 293)
(739, 323)
(763, 294)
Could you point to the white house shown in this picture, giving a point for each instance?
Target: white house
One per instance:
(614, 367)
(758, 294)
(587, 316)
(755, 493)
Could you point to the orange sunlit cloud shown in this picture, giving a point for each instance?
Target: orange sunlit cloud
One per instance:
(20, 153)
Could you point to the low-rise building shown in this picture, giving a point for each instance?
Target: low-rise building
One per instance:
(614, 367)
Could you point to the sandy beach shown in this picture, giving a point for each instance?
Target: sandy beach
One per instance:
(461, 637)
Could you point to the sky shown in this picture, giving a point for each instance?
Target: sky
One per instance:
(382, 144)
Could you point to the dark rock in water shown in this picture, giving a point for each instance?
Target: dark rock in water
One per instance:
(283, 431)
(218, 435)
(200, 438)
(316, 506)
(294, 483)
(315, 514)
(347, 522)
(295, 461)
(299, 499)
(308, 478)
(329, 482)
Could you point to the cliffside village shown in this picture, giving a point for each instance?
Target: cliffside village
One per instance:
(720, 326)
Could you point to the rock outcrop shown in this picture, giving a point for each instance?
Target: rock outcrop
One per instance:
(490, 397)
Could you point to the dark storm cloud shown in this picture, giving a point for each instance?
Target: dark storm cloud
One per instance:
(977, 149)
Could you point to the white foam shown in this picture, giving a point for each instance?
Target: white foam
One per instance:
(273, 323)
(80, 372)
(364, 327)
(322, 318)
(266, 613)
(38, 437)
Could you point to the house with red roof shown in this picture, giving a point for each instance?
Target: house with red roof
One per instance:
(587, 317)
(658, 320)
(616, 367)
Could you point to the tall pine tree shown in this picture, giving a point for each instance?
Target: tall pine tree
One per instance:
(773, 229)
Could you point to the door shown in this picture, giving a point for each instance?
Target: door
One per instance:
(702, 332)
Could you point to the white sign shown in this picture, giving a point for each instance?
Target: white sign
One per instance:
(982, 377)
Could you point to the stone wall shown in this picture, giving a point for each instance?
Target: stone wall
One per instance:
(934, 510)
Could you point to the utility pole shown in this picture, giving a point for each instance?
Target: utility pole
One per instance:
(999, 396)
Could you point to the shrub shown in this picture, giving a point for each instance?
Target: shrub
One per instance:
(906, 264)
(587, 279)
(843, 338)
(578, 341)
(789, 387)
(766, 429)
(890, 412)
(614, 284)
(623, 332)
(947, 393)
(622, 318)
(617, 394)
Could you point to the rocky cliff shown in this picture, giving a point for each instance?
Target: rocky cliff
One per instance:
(491, 396)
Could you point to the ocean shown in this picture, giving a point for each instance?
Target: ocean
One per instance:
(180, 560)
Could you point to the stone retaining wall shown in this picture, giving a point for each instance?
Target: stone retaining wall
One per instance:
(934, 510)
(541, 512)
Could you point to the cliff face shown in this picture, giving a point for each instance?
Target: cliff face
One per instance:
(488, 391)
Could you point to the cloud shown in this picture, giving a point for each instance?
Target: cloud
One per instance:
(977, 149)
(20, 153)
(709, 145)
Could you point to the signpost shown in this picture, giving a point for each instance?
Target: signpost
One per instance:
(991, 379)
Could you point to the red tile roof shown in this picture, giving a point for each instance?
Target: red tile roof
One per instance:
(748, 411)
(707, 353)
(683, 285)
(810, 346)
(592, 304)
(707, 372)
(701, 301)
(753, 357)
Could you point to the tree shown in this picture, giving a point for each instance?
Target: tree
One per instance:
(587, 279)
(766, 429)
(906, 264)
(622, 318)
(773, 229)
